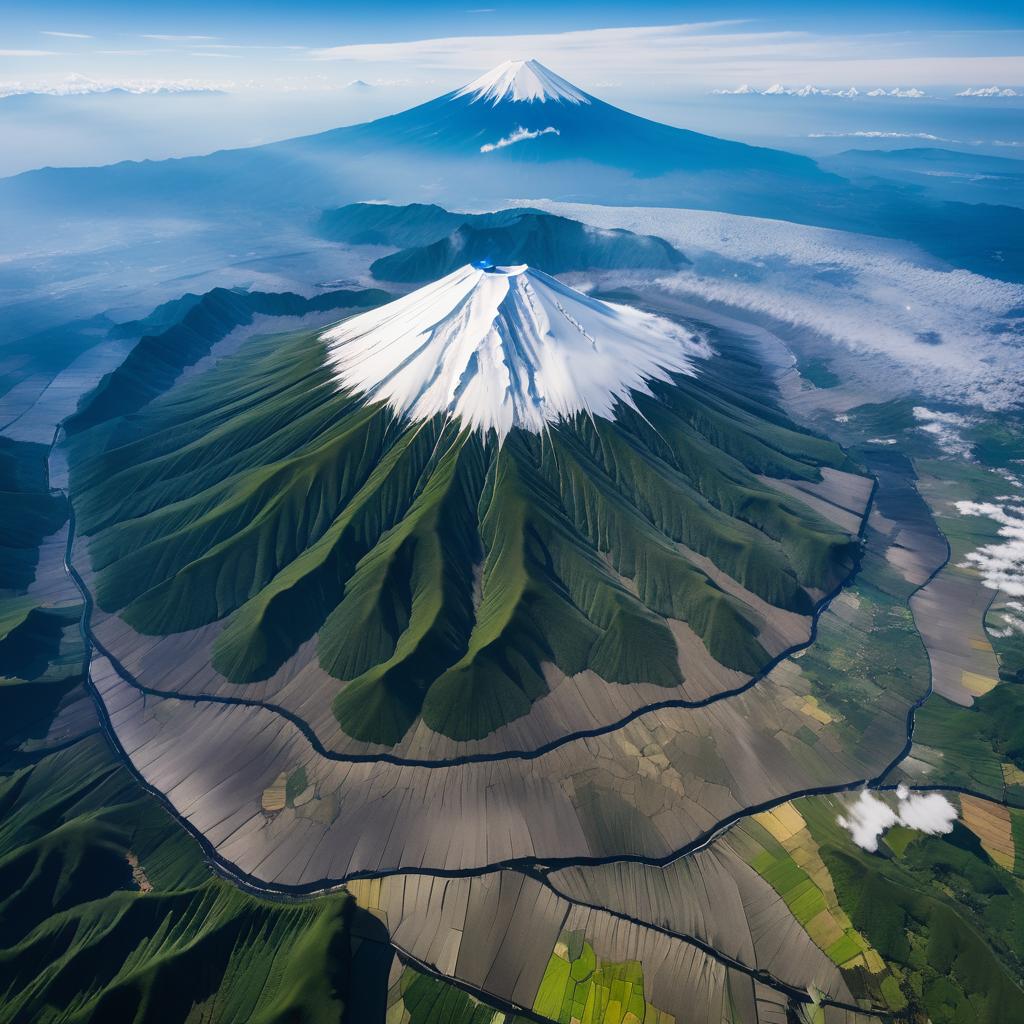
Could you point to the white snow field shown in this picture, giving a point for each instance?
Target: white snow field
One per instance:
(506, 347)
(522, 81)
(951, 334)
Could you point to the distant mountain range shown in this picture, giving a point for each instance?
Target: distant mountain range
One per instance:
(81, 85)
(440, 242)
(519, 130)
(851, 92)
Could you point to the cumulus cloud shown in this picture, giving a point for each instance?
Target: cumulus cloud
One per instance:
(879, 298)
(869, 817)
(1001, 564)
(519, 135)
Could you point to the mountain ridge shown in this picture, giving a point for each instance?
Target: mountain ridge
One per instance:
(434, 573)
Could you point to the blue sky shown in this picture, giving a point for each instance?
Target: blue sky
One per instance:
(431, 47)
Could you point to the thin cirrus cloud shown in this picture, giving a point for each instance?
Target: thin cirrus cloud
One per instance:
(169, 38)
(708, 52)
(29, 53)
(68, 35)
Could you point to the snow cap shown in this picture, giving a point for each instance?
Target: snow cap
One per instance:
(522, 81)
(506, 347)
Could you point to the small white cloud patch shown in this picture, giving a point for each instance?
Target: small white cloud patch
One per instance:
(944, 428)
(519, 135)
(868, 818)
(1001, 564)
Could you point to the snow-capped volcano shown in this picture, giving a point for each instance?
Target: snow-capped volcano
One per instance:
(522, 81)
(506, 347)
(521, 113)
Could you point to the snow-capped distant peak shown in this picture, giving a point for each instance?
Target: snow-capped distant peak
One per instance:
(522, 81)
(990, 90)
(504, 347)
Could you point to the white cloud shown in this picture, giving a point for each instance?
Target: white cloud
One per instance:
(702, 54)
(868, 818)
(1001, 564)
(29, 53)
(1012, 614)
(67, 35)
(944, 429)
(930, 813)
(882, 299)
(519, 135)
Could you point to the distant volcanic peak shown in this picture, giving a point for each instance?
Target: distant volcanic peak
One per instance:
(522, 81)
(506, 347)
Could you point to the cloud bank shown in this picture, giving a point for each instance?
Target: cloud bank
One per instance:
(948, 334)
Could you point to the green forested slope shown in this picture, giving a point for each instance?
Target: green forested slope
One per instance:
(82, 938)
(439, 569)
(108, 910)
(157, 360)
(28, 512)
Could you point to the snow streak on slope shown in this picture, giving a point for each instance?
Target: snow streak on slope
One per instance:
(506, 347)
(522, 81)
